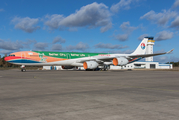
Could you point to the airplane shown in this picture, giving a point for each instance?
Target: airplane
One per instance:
(69, 60)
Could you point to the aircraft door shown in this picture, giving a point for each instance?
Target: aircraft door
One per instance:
(68, 56)
(89, 56)
(23, 56)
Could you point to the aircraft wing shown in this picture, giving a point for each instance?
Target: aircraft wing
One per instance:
(97, 59)
(87, 59)
(100, 59)
(149, 55)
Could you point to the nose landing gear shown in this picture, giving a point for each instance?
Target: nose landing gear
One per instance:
(23, 68)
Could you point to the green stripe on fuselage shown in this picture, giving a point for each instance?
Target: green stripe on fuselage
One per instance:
(67, 55)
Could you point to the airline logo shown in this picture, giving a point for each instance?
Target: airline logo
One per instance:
(143, 46)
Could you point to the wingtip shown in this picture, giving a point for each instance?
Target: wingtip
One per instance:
(170, 51)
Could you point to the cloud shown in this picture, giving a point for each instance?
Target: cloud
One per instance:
(164, 35)
(165, 59)
(5, 51)
(161, 59)
(26, 24)
(160, 51)
(91, 16)
(58, 39)
(106, 28)
(109, 46)
(57, 47)
(80, 46)
(26, 44)
(40, 46)
(142, 36)
(175, 23)
(53, 21)
(125, 26)
(29, 41)
(9, 45)
(127, 51)
(123, 4)
(176, 3)
(121, 37)
(161, 18)
(173, 59)
(72, 29)
(1, 10)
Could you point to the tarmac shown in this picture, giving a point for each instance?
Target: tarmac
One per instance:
(89, 95)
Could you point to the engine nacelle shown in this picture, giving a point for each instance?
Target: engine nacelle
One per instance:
(90, 65)
(68, 67)
(120, 61)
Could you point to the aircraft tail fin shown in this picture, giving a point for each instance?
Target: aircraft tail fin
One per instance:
(141, 49)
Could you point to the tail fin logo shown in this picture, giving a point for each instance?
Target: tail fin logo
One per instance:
(143, 46)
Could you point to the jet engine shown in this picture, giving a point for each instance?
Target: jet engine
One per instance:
(68, 67)
(120, 61)
(90, 65)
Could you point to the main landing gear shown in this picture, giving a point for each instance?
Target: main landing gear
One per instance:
(23, 68)
(101, 68)
(106, 67)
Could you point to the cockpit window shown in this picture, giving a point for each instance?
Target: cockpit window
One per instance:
(12, 55)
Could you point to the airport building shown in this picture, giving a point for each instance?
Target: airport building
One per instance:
(143, 65)
(148, 64)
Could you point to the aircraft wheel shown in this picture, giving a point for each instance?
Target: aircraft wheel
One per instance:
(23, 70)
(105, 68)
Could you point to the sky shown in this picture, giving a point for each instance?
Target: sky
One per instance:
(108, 26)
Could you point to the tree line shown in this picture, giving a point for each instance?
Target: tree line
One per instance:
(175, 64)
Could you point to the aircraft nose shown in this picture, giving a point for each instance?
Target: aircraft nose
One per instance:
(6, 58)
